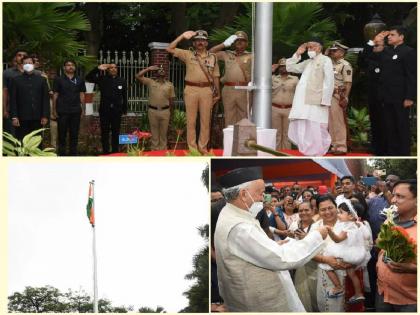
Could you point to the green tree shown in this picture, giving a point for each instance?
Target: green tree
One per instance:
(293, 24)
(146, 309)
(205, 177)
(49, 29)
(198, 294)
(37, 300)
(404, 168)
(50, 300)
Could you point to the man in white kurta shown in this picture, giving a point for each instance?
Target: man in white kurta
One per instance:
(252, 269)
(308, 127)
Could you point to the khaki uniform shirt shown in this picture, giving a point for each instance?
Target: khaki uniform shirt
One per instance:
(193, 71)
(343, 72)
(284, 89)
(159, 93)
(233, 72)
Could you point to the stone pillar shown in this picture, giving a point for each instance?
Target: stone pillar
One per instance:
(159, 56)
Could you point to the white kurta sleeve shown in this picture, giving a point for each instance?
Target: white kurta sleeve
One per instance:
(252, 245)
(293, 66)
(328, 86)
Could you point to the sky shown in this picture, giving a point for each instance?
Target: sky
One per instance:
(147, 216)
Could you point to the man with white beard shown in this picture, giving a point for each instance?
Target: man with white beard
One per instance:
(308, 127)
(253, 269)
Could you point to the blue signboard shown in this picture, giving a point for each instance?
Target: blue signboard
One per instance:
(128, 139)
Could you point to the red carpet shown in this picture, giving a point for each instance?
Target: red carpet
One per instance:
(215, 152)
(297, 153)
(219, 152)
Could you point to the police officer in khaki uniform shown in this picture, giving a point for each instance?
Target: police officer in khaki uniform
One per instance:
(202, 85)
(284, 86)
(343, 73)
(161, 98)
(237, 73)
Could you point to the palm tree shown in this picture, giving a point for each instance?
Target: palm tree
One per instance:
(205, 177)
(49, 29)
(198, 293)
(293, 24)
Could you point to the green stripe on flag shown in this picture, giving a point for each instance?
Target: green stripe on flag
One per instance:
(89, 208)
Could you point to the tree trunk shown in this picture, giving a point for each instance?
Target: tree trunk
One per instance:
(179, 22)
(228, 11)
(94, 36)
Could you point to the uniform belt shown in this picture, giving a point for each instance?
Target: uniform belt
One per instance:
(282, 106)
(236, 83)
(159, 108)
(199, 84)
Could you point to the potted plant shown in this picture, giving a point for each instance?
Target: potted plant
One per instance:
(359, 126)
(179, 124)
(28, 147)
(141, 141)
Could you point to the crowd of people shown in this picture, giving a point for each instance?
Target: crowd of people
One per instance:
(308, 248)
(309, 111)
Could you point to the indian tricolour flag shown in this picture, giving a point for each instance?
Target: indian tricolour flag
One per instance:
(89, 207)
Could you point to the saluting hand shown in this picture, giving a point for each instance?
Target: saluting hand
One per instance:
(103, 66)
(301, 49)
(189, 34)
(274, 67)
(153, 68)
(230, 40)
(379, 38)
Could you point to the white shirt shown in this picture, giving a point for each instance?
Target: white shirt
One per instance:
(300, 110)
(248, 243)
(340, 199)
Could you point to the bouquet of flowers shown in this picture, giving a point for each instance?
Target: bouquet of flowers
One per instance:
(141, 137)
(394, 240)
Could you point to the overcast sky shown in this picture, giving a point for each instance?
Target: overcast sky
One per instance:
(147, 216)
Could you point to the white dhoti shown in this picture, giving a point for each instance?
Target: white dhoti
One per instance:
(312, 138)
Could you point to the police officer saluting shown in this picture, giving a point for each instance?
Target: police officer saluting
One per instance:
(284, 86)
(113, 103)
(397, 88)
(237, 73)
(337, 120)
(161, 98)
(201, 85)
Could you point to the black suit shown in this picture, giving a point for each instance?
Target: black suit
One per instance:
(372, 66)
(113, 104)
(29, 102)
(397, 82)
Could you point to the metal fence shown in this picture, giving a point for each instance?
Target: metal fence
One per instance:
(129, 64)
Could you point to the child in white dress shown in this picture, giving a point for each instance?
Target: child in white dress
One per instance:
(348, 245)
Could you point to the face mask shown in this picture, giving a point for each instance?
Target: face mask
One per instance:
(311, 54)
(255, 207)
(28, 67)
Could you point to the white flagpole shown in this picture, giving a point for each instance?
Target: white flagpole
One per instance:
(95, 278)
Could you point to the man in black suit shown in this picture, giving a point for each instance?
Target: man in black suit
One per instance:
(397, 88)
(373, 71)
(113, 103)
(29, 100)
